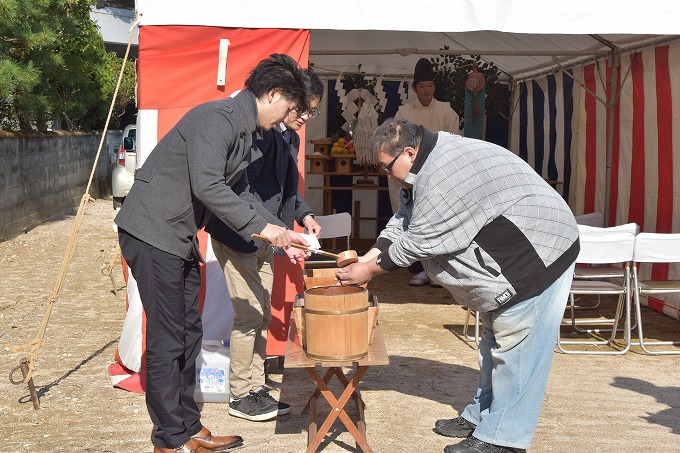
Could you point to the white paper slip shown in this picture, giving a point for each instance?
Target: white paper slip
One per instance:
(313, 241)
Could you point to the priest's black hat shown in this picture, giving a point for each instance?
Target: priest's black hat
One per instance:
(423, 71)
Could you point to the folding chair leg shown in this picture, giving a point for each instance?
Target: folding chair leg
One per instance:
(644, 345)
(589, 307)
(613, 321)
(467, 325)
(623, 304)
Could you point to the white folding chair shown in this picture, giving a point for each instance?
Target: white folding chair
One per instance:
(593, 272)
(654, 248)
(333, 226)
(626, 227)
(611, 246)
(595, 219)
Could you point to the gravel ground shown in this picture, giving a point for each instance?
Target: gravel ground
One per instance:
(593, 403)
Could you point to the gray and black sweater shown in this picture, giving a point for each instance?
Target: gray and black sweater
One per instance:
(484, 224)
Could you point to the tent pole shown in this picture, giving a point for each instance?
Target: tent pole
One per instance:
(611, 104)
(604, 102)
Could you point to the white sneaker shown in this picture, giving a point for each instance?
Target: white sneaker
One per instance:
(420, 279)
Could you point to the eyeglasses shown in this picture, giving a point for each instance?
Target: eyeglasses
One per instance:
(309, 113)
(388, 167)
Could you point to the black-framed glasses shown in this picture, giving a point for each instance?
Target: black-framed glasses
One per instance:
(313, 113)
(388, 167)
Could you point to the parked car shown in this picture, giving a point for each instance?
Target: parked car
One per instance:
(124, 172)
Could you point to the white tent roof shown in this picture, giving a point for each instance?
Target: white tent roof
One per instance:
(519, 55)
(512, 16)
(522, 37)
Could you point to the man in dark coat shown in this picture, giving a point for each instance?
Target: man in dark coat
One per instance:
(197, 169)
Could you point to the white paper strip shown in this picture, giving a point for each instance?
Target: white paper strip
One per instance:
(222, 63)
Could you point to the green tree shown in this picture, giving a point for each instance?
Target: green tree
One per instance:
(27, 44)
(124, 4)
(54, 66)
(126, 91)
(450, 73)
(77, 87)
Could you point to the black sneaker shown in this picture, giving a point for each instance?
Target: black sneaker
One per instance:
(253, 407)
(453, 427)
(474, 445)
(283, 408)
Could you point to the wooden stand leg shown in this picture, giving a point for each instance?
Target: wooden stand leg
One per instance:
(361, 421)
(345, 382)
(311, 405)
(337, 407)
(313, 428)
(312, 399)
(358, 401)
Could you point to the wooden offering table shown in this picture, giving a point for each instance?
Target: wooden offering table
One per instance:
(297, 358)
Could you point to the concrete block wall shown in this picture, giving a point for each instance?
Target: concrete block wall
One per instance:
(45, 175)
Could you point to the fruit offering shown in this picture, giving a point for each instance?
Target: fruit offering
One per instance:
(341, 146)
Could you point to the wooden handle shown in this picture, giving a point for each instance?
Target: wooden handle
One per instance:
(298, 246)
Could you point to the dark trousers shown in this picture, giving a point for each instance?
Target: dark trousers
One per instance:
(168, 287)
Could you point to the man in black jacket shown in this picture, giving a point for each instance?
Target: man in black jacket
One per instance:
(249, 265)
(197, 168)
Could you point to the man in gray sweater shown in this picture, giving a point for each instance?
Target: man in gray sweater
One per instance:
(490, 230)
(198, 169)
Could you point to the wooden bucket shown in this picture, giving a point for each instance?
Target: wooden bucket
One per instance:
(322, 277)
(336, 318)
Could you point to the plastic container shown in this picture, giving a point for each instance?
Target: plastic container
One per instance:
(212, 373)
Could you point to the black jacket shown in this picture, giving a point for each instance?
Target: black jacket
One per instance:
(273, 179)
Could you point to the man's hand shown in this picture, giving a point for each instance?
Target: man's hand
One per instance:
(358, 273)
(296, 255)
(282, 237)
(312, 226)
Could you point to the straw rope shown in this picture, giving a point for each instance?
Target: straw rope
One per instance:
(39, 340)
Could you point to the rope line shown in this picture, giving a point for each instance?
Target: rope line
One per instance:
(39, 340)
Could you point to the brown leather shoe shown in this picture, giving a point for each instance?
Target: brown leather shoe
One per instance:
(206, 440)
(190, 447)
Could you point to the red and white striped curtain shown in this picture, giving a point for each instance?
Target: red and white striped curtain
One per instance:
(560, 128)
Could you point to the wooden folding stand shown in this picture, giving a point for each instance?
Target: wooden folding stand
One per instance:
(297, 358)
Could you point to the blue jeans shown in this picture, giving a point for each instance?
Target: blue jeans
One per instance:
(515, 353)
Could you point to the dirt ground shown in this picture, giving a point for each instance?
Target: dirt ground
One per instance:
(593, 403)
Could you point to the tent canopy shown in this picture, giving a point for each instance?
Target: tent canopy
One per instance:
(608, 150)
(517, 55)
(512, 16)
(522, 37)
